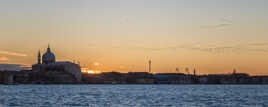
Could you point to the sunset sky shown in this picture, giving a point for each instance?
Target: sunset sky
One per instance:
(213, 36)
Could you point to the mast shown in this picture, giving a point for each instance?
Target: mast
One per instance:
(150, 66)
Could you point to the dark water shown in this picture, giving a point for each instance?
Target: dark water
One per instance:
(133, 95)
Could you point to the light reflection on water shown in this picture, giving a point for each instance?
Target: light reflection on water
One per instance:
(133, 95)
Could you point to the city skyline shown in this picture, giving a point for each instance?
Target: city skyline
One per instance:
(123, 35)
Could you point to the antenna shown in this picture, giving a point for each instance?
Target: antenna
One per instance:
(150, 66)
(187, 70)
(234, 71)
(194, 72)
(177, 70)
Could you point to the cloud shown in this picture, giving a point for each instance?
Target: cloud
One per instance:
(12, 53)
(12, 67)
(254, 47)
(173, 48)
(212, 48)
(216, 26)
(3, 59)
(223, 23)
(226, 20)
(258, 44)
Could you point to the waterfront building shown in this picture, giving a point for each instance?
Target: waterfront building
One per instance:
(52, 71)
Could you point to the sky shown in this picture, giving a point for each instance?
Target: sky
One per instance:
(213, 36)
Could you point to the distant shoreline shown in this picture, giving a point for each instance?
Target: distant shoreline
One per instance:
(131, 78)
(133, 84)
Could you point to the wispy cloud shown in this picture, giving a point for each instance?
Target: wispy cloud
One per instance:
(224, 22)
(216, 26)
(12, 67)
(255, 47)
(12, 53)
(153, 48)
(3, 59)
(213, 48)
(204, 47)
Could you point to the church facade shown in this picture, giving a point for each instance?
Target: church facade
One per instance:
(48, 70)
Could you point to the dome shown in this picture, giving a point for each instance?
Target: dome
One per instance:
(48, 57)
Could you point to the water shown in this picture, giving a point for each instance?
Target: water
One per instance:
(133, 95)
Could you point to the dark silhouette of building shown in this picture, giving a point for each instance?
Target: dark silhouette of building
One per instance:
(55, 72)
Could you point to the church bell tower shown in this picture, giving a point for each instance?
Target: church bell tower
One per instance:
(39, 57)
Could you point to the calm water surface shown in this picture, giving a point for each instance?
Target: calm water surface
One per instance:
(133, 95)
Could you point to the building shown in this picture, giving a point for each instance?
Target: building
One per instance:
(48, 70)
(173, 78)
(7, 77)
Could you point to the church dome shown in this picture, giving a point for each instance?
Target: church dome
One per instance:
(48, 57)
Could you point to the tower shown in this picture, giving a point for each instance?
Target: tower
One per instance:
(150, 66)
(194, 72)
(39, 57)
(48, 48)
(187, 70)
(234, 71)
(177, 70)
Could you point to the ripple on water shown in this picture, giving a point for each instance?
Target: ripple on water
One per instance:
(133, 95)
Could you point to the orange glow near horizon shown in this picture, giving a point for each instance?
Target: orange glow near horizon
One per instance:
(89, 71)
